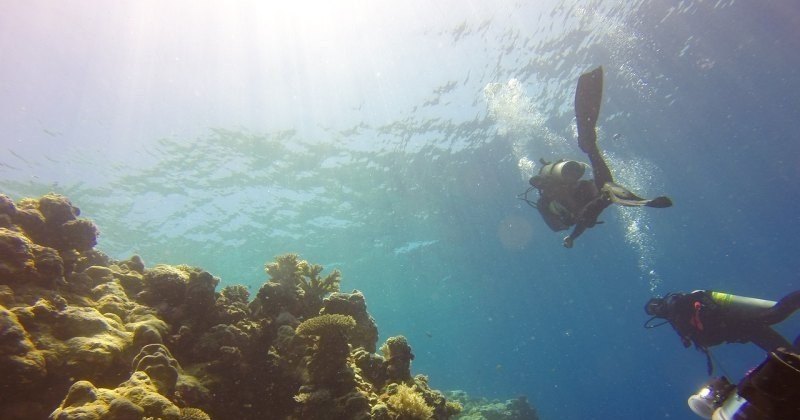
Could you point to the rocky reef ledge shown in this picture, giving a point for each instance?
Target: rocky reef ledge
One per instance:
(84, 336)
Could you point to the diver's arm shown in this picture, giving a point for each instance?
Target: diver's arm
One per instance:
(577, 231)
(587, 218)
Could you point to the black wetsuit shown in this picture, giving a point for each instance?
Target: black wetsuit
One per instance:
(587, 108)
(586, 216)
(701, 321)
(579, 203)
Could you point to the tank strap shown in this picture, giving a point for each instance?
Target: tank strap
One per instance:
(695, 321)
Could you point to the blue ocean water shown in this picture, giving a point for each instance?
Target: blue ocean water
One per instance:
(390, 140)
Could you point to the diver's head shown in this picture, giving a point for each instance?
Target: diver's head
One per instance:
(663, 308)
(657, 307)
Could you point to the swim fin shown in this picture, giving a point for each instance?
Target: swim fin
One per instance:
(588, 97)
(622, 196)
(660, 202)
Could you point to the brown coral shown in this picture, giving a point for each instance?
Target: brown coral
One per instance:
(190, 413)
(398, 357)
(327, 366)
(57, 209)
(408, 404)
(156, 361)
(295, 285)
(79, 234)
(135, 398)
(86, 316)
(21, 363)
(53, 221)
(365, 333)
(325, 325)
(16, 256)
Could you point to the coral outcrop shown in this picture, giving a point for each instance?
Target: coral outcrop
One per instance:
(409, 404)
(365, 332)
(484, 409)
(21, 363)
(84, 336)
(398, 357)
(137, 398)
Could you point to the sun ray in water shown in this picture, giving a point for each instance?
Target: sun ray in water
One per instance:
(519, 120)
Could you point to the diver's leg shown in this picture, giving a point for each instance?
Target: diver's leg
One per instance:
(768, 339)
(588, 97)
(600, 170)
(785, 307)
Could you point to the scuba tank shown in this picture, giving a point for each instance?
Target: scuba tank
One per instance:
(741, 306)
(563, 170)
(562, 176)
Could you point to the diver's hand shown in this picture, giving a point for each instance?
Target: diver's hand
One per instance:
(568, 241)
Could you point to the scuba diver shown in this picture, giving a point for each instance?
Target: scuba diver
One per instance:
(565, 199)
(707, 318)
(769, 391)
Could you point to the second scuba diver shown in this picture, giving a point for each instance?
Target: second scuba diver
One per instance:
(708, 318)
(564, 199)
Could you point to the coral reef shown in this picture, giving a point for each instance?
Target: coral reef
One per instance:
(21, 363)
(365, 333)
(398, 357)
(409, 404)
(294, 286)
(136, 398)
(484, 409)
(84, 336)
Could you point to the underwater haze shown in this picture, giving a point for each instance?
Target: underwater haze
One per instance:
(390, 139)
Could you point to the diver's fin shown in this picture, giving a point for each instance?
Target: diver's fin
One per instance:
(621, 195)
(588, 97)
(660, 202)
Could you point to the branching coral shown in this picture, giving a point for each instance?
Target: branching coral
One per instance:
(316, 287)
(296, 286)
(408, 404)
(190, 413)
(231, 304)
(285, 270)
(236, 293)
